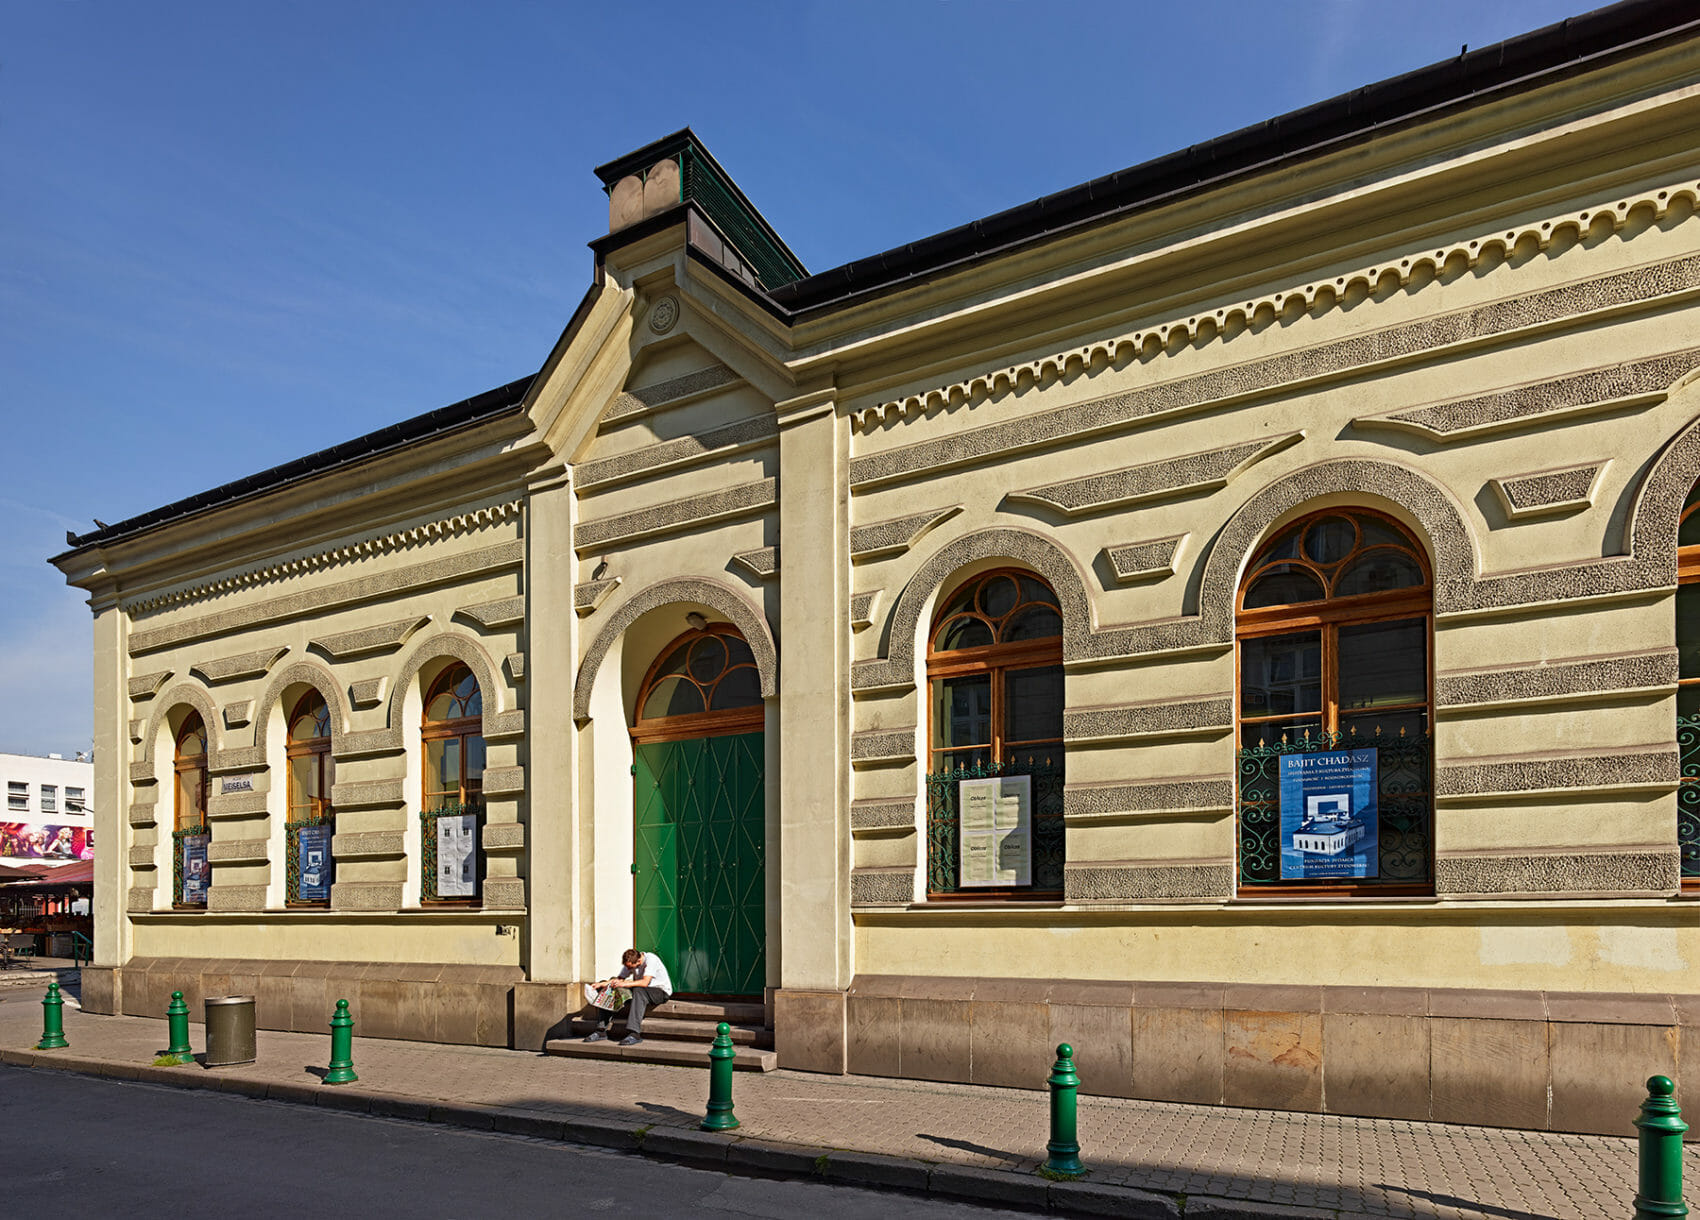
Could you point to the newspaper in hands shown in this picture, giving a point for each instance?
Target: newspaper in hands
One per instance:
(607, 998)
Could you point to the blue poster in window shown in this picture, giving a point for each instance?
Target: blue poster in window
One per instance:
(197, 874)
(313, 863)
(1328, 815)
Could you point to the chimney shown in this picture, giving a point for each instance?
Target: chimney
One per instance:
(676, 173)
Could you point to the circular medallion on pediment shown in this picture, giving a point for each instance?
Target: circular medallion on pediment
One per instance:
(664, 314)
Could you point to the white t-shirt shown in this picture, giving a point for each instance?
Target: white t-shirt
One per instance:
(653, 968)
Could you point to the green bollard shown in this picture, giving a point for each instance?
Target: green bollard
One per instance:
(342, 1047)
(720, 1056)
(1661, 1126)
(52, 1020)
(1064, 1148)
(177, 1022)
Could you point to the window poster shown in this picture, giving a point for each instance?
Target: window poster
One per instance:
(313, 863)
(196, 873)
(457, 859)
(1328, 815)
(995, 830)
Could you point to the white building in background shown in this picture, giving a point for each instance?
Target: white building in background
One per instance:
(48, 819)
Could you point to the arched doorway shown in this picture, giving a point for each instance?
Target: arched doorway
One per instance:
(699, 815)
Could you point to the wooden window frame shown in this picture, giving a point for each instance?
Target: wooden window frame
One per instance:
(317, 748)
(180, 767)
(1327, 616)
(1687, 573)
(458, 728)
(719, 722)
(997, 661)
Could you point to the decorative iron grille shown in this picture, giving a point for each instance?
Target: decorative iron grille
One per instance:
(292, 852)
(944, 856)
(177, 837)
(1404, 802)
(1688, 795)
(428, 851)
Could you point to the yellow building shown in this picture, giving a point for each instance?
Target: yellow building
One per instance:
(944, 649)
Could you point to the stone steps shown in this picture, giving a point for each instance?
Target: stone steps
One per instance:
(657, 1050)
(682, 1029)
(733, 1012)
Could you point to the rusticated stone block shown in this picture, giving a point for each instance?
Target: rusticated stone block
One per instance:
(934, 1038)
(873, 1034)
(1178, 1045)
(1009, 1036)
(542, 1011)
(1376, 1064)
(1489, 1072)
(809, 1030)
(1599, 1072)
(1273, 1059)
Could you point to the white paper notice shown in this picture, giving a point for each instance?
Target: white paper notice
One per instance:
(995, 831)
(456, 859)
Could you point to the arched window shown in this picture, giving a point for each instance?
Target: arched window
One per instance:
(1688, 689)
(453, 813)
(191, 872)
(310, 866)
(705, 683)
(1333, 630)
(995, 759)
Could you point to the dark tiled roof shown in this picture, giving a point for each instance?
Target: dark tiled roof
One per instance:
(1524, 62)
(488, 405)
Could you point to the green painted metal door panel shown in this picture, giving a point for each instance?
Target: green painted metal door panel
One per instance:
(700, 888)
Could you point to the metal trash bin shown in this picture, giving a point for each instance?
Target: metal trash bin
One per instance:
(230, 1030)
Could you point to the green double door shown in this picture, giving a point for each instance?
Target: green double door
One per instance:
(700, 877)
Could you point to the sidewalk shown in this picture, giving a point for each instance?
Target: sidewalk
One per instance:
(1147, 1159)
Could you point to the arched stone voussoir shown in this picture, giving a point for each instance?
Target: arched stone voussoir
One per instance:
(721, 598)
(1367, 481)
(1658, 502)
(1022, 547)
(197, 697)
(460, 648)
(309, 673)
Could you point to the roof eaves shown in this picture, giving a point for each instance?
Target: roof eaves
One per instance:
(480, 408)
(1525, 61)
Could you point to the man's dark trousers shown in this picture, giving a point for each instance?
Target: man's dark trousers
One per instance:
(643, 999)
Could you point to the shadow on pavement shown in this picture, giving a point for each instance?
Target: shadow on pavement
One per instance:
(661, 1111)
(978, 1149)
(1462, 1204)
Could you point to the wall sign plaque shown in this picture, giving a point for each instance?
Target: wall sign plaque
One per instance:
(995, 833)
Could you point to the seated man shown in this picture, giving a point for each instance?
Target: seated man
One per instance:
(647, 978)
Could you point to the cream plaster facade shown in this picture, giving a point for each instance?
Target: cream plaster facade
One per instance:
(1483, 321)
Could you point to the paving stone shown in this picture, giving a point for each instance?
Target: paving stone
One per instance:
(684, 1144)
(871, 1169)
(1099, 1199)
(339, 1099)
(390, 1106)
(600, 1135)
(1009, 1189)
(1204, 1207)
(479, 1118)
(518, 1122)
(789, 1159)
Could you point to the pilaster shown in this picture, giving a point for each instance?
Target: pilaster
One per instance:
(551, 623)
(816, 953)
(111, 783)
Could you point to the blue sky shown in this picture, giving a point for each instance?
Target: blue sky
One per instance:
(231, 234)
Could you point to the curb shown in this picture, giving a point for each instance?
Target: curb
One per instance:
(728, 1151)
